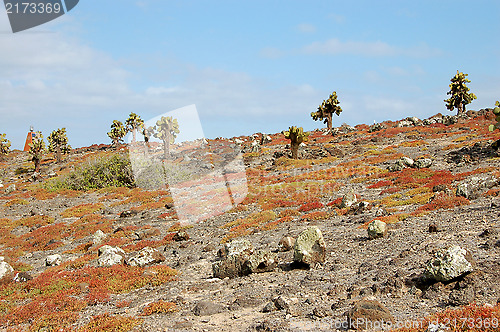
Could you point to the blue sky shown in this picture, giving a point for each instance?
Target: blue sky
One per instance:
(248, 66)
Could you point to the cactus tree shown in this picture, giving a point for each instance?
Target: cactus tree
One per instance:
(496, 111)
(326, 109)
(167, 129)
(58, 143)
(4, 146)
(296, 135)
(117, 132)
(133, 123)
(460, 95)
(147, 132)
(37, 149)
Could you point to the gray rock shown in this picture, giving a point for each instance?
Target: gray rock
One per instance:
(146, 256)
(281, 303)
(239, 259)
(310, 247)
(408, 162)
(376, 229)
(348, 200)
(109, 256)
(396, 167)
(449, 263)
(472, 186)
(207, 308)
(376, 127)
(5, 268)
(286, 243)
(98, 237)
(422, 163)
(10, 189)
(53, 260)
(269, 307)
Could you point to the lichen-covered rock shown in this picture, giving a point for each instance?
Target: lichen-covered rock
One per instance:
(109, 256)
(53, 260)
(239, 259)
(471, 187)
(376, 229)
(449, 263)
(310, 247)
(146, 256)
(181, 236)
(237, 247)
(348, 200)
(260, 261)
(422, 163)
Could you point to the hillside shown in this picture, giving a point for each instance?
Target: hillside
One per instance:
(177, 290)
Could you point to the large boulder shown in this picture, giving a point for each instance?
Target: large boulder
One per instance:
(98, 237)
(310, 247)
(109, 256)
(146, 256)
(238, 258)
(449, 263)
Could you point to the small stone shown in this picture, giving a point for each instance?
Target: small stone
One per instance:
(22, 277)
(286, 243)
(84, 287)
(321, 312)
(368, 312)
(433, 228)
(269, 307)
(377, 229)
(128, 213)
(181, 236)
(348, 200)
(281, 303)
(10, 189)
(53, 260)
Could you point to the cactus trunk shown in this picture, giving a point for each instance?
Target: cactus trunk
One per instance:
(166, 148)
(294, 146)
(58, 154)
(329, 121)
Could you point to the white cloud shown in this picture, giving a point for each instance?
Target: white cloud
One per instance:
(271, 53)
(306, 28)
(335, 46)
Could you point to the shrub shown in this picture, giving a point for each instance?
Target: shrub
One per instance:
(108, 323)
(114, 171)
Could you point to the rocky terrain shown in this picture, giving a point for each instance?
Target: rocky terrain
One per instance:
(117, 259)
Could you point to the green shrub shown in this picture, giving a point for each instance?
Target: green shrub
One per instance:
(114, 171)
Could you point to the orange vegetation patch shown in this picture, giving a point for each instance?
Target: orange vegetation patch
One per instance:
(159, 307)
(81, 210)
(310, 206)
(316, 215)
(110, 323)
(471, 318)
(443, 202)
